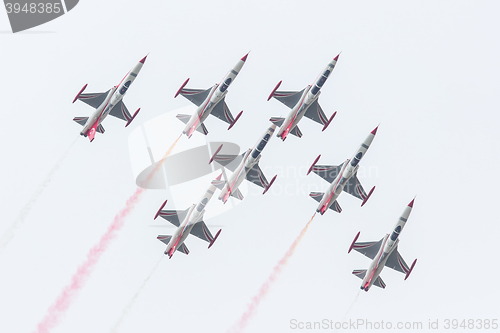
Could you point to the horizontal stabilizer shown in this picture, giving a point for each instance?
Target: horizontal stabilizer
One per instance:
(202, 129)
(319, 195)
(81, 120)
(296, 131)
(379, 283)
(277, 121)
(183, 248)
(316, 195)
(360, 273)
(164, 238)
(100, 129)
(218, 183)
(184, 118)
(237, 194)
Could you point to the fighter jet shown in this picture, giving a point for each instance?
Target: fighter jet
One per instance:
(302, 103)
(342, 178)
(209, 101)
(109, 102)
(189, 221)
(244, 166)
(384, 253)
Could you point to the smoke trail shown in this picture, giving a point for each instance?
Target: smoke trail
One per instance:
(132, 301)
(63, 301)
(352, 304)
(252, 307)
(348, 310)
(9, 234)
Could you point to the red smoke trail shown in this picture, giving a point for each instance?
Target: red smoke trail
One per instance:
(68, 293)
(254, 304)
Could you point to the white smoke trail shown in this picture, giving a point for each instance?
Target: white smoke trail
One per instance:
(132, 301)
(9, 234)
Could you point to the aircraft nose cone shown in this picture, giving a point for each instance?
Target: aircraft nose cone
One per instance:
(143, 60)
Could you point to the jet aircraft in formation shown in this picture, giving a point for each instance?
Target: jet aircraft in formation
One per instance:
(109, 102)
(209, 101)
(302, 103)
(189, 221)
(247, 168)
(341, 177)
(384, 253)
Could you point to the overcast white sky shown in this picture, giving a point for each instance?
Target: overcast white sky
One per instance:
(427, 71)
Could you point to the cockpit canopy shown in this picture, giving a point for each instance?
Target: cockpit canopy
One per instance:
(123, 90)
(356, 159)
(223, 87)
(202, 205)
(395, 233)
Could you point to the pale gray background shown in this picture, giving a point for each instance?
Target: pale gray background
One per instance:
(427, 71)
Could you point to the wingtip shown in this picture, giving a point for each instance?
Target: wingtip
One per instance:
(143, 59)
(245, 57)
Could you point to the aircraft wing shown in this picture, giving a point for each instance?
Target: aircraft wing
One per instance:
(369, 249)
(327, 172)
(354, 188)
(227, 160)
(256, 176)
(201, 231)
(396, 262)
(94, 100)
(315, 113)
(196, 96)
(174, 216)
(120, 111)
(289, 98)
(222, 112)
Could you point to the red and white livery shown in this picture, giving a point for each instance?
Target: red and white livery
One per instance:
(384, 253)
(109, 102)
(189, 221)
(303, 103)
(209, 101)
(245, 166)
(342, 178)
